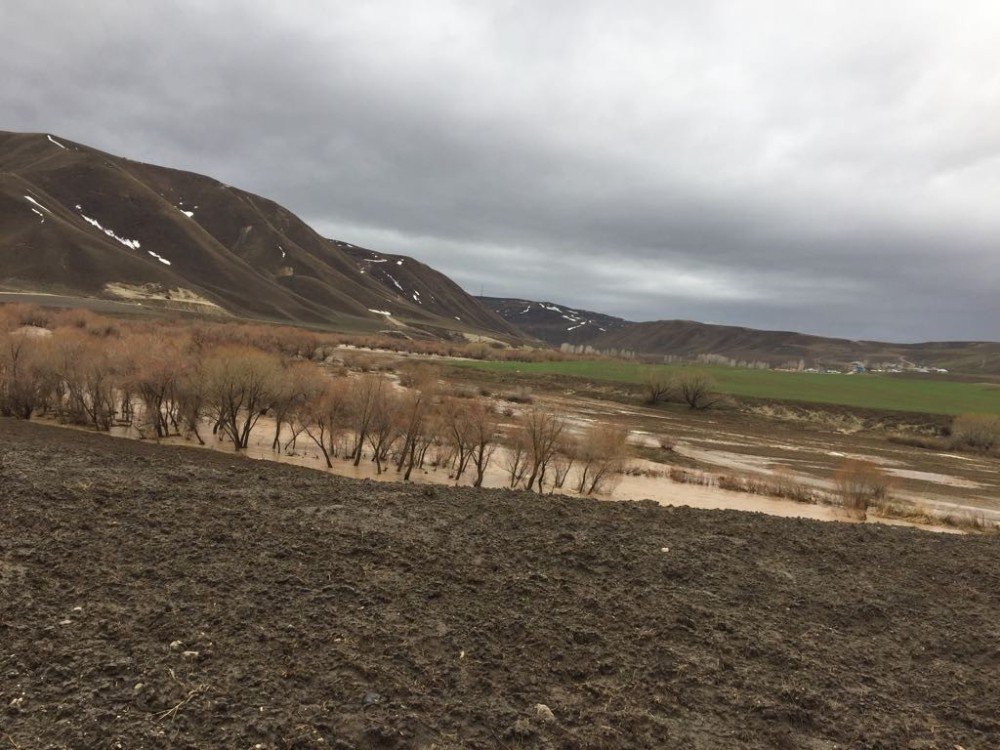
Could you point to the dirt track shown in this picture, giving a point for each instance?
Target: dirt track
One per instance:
(307, 610)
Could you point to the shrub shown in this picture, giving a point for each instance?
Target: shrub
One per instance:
(518, 396)
(976, 431)
(697, 390)
(783, 484)
(657, 387)
(685, 476)
(860, 483)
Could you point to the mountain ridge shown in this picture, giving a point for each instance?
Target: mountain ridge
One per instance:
(80, 219)
(687, 340)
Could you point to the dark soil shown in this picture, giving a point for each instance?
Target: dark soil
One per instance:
(155, 597)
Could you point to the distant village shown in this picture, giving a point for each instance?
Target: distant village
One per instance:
(800, 365)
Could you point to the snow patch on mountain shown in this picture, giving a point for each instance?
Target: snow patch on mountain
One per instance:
(32, 200)
(131, 244)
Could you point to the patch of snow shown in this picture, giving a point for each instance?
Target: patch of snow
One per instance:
(380, 312)
(375, 260)
(53, 140)
(283, 253)
(457, 318)
(32, 200)
(189, 214)
(525, 309)
(416, 298)
(394, 281)
(573, 328)
(131, 244)
(553, 308)
(40, 214)
(160, 258)
(399, 262)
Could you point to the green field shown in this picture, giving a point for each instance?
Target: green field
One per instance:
(886, 392)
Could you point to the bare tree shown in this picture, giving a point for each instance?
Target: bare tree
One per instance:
(159, 364)
(25, 375)
(697, 390)
(382, 427)
(516, 455)
(301, 383)
(190, 395)
(567, 452)
(657, 386)
(324, 416)
(457, 432)
(543, 429)
(483, 426)
(414, 416)
(365, 393)
(239, 385)
(88, 373)
(602, 452)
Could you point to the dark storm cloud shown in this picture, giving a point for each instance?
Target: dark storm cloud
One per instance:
(830, 167)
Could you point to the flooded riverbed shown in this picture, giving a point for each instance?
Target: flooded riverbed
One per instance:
(646, 480)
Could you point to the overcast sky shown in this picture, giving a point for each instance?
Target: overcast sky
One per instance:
(831, 167)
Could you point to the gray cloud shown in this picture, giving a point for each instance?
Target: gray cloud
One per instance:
(828, 167)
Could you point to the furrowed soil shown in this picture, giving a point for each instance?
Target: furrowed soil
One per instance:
(164, 597)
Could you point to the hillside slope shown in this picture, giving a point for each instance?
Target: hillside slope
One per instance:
(75, 219)
(415, 282)
(552, 323)
(688, 339)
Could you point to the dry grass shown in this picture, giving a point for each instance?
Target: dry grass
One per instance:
(979, 432)
(644, 471)
(686, 476)
(969, 521)
(782, 485)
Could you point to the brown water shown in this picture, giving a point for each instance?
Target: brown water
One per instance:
(652, 484)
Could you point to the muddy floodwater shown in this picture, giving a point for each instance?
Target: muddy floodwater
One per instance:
(645, 480)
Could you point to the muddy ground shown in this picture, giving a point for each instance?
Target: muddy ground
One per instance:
(165, 597)
(755, 437)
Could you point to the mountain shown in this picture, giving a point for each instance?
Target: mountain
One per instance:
(689, 340)
(75, 220)
(410, 280)
(554, 324)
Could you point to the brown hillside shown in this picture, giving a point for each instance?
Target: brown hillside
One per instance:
(74, 219)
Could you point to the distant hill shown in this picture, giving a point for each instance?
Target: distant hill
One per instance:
(689, 340)
(552, 323)
(417, 283)
(80, 221)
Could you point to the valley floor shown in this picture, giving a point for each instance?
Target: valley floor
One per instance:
(164, 597)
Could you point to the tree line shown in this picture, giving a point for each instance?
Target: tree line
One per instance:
(167, 382)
